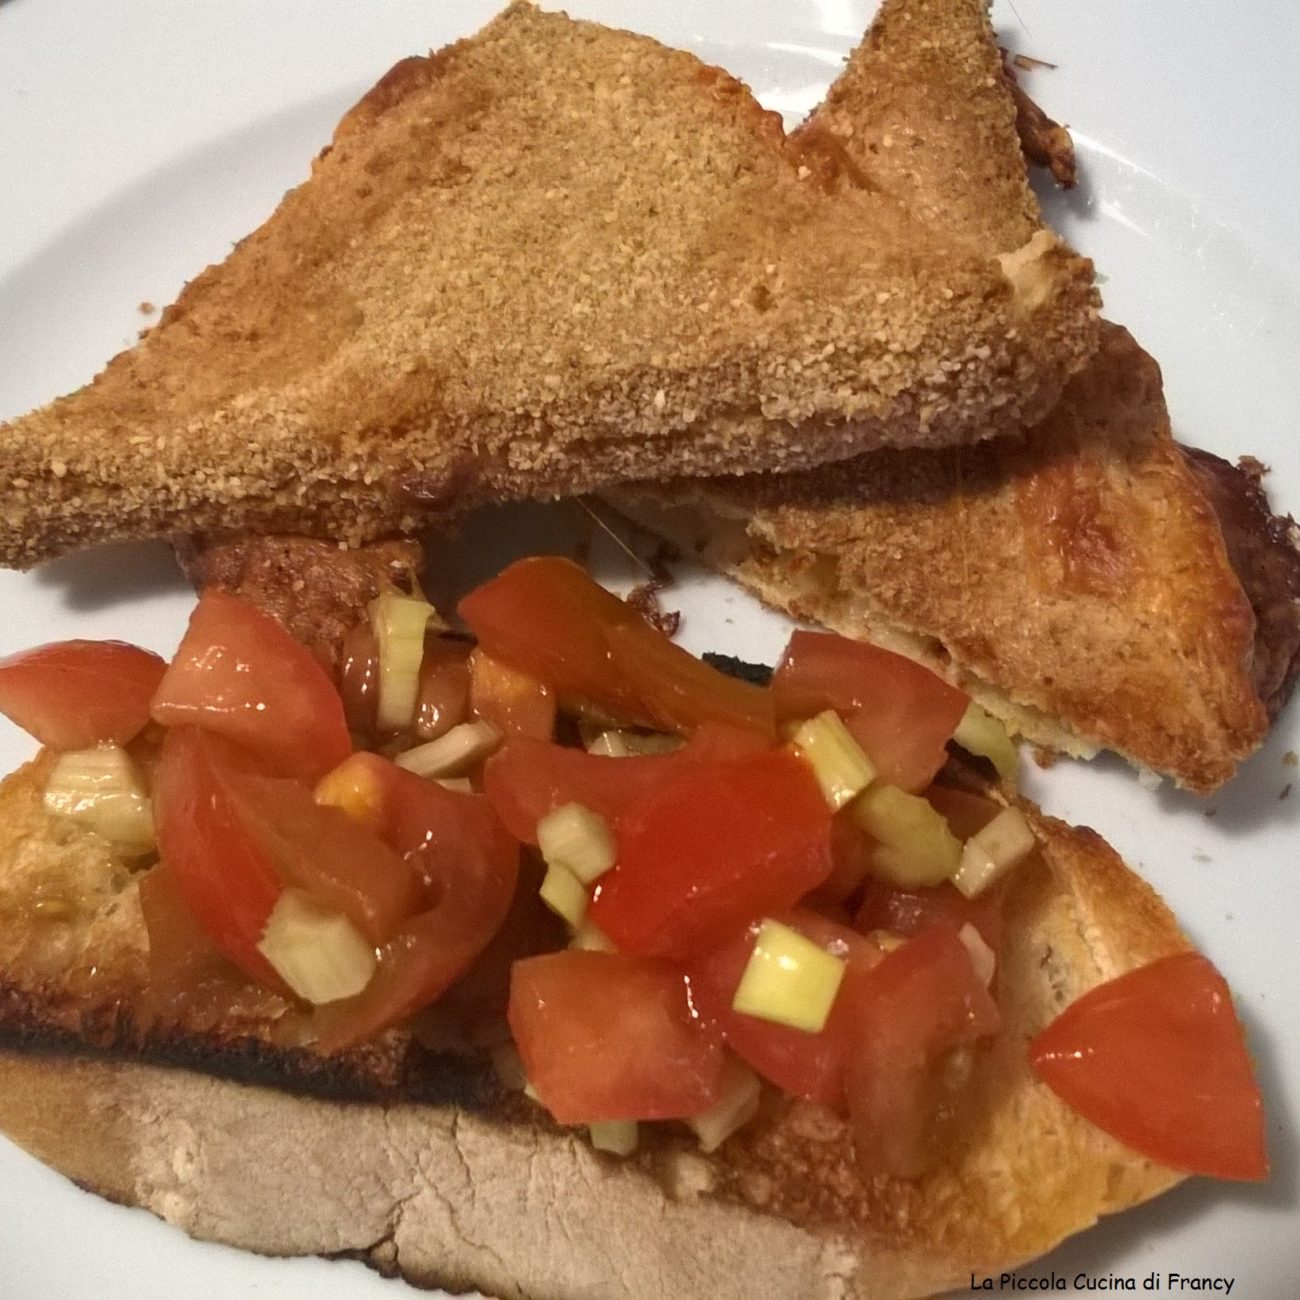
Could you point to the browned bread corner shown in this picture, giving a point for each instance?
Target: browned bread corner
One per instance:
(486, 1193)
(548, 257)
(1075, 580)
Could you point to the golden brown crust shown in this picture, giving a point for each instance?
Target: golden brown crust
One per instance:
(478, 1195)
(316, 589)
(922, 108)
(1075, 579)
(549, 257)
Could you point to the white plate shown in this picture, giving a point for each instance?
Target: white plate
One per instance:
(138, 139)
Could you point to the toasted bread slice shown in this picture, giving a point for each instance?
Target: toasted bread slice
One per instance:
(549, 257)
(425, 1165)
(1075, 580)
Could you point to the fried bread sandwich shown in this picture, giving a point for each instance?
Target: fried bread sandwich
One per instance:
(549, 257)
(1075, 577)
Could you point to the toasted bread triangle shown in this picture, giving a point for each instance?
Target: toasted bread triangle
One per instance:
(1075, 580)
(549, 257)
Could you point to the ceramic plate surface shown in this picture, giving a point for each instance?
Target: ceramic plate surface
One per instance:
(138, 140)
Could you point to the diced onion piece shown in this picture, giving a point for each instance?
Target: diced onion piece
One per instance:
(454, 754)
(509, 1066)
(591, 938)
(838, 762)
(979, 732)
(618, 1137)
(982, 957)
(609, 744)
(913, 843)
(738, 1104)
(565, 895)
(102, 790)
(399, 624)
(788, 980)
(577, 839)
(319, 954)
(992, 852)
(457, 784)
(625, 744)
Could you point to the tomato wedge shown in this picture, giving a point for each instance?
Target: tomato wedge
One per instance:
(911, 1010)
(512, 700)
(548, 618)
(75, 694)
(526, 778)
(1157, 1059)
(239, 673)
(804, 1065)
(469, 865)
(231, 841)
(901, 714)
(605, 1036)
(702, 856)
(224, 878)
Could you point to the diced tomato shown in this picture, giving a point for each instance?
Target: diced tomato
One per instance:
(547, 617)
(239, 673)
(511, 699)
(224, 877)
(443, 698)
(231, 841)
(604, 1036)
(75, 694)
(918, 1004)
(909, 911)
(470, 867)
(900, 713)
(1157, 1059)
(804, 1065)
(344, 866)
(526, 779)
(721, 844)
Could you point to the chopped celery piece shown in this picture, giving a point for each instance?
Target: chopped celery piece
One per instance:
(788, 980)
(565, 895)
(454, 754)
(616, 1136)
(319, 954)
(913, 844)
(399, 623)
(577, 839)
(102, 790)
(979, 732)
(992, 852)
(741, 1091)
(842, 769)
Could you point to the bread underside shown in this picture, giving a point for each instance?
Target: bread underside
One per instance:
(1073, 578)
(422, 1163)
(549, 257)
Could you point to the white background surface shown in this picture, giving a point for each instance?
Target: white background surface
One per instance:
(137, 140)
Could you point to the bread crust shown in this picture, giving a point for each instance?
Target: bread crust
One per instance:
(548, 257)
(1074, 578)
(486, 1193)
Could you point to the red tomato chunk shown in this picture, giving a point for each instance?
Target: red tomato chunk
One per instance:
(548, 618)
(239, 673)
(900, 713)
(1157, 1059)
(699, 858)
(605, 1036)
(803, 1064)
(75, 694)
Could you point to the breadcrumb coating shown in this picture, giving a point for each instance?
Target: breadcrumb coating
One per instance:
(549, 257)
